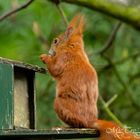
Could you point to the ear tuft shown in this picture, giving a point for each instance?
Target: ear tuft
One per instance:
(75, 26)
(81, 24)
(77, 23)
(75, 20)
(68, 32)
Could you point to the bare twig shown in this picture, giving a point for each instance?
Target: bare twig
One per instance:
(111, 100)
(109, 111)
(111, 38)
(132, 56)
(124, 85)
(61, 11)
(16, 10)
(62, 14)
(121, 61)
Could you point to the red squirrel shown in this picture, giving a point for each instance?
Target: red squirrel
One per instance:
(77, 83)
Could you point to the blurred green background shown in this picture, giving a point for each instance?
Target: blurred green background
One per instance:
(28, 33)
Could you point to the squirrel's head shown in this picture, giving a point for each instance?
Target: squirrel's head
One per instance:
(71, 39)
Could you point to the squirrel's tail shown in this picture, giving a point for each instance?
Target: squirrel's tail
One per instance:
(112, 131)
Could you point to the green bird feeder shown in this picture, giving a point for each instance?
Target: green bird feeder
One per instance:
(18, 105)
(17, 94)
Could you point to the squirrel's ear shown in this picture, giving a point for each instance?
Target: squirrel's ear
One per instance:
(80, 26)
(77, 23)
(73, 23)
(71, 27)
(68, 32)
(75, 26)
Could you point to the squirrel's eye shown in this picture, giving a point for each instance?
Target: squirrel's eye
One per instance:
(56, 40)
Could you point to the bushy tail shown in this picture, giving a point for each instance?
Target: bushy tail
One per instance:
(112, 131)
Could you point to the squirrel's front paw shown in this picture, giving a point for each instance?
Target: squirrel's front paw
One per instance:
(44, 58)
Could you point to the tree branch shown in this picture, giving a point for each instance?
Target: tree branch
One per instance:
(106, 108)
(16, 10)
(127, 14)
(61, 11)
(129, 92)
(111, 38)
(111, 100)
(62, 14)
(109, 41)
(121, 61)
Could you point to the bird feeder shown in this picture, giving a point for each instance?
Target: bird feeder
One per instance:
(17, 94)
(18, 105)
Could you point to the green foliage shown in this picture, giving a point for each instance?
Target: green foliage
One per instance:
(19, 40)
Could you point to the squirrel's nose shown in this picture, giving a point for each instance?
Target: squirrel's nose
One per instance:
(52, 52)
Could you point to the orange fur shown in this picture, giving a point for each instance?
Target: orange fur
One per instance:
(112, 131)
(77, 81)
